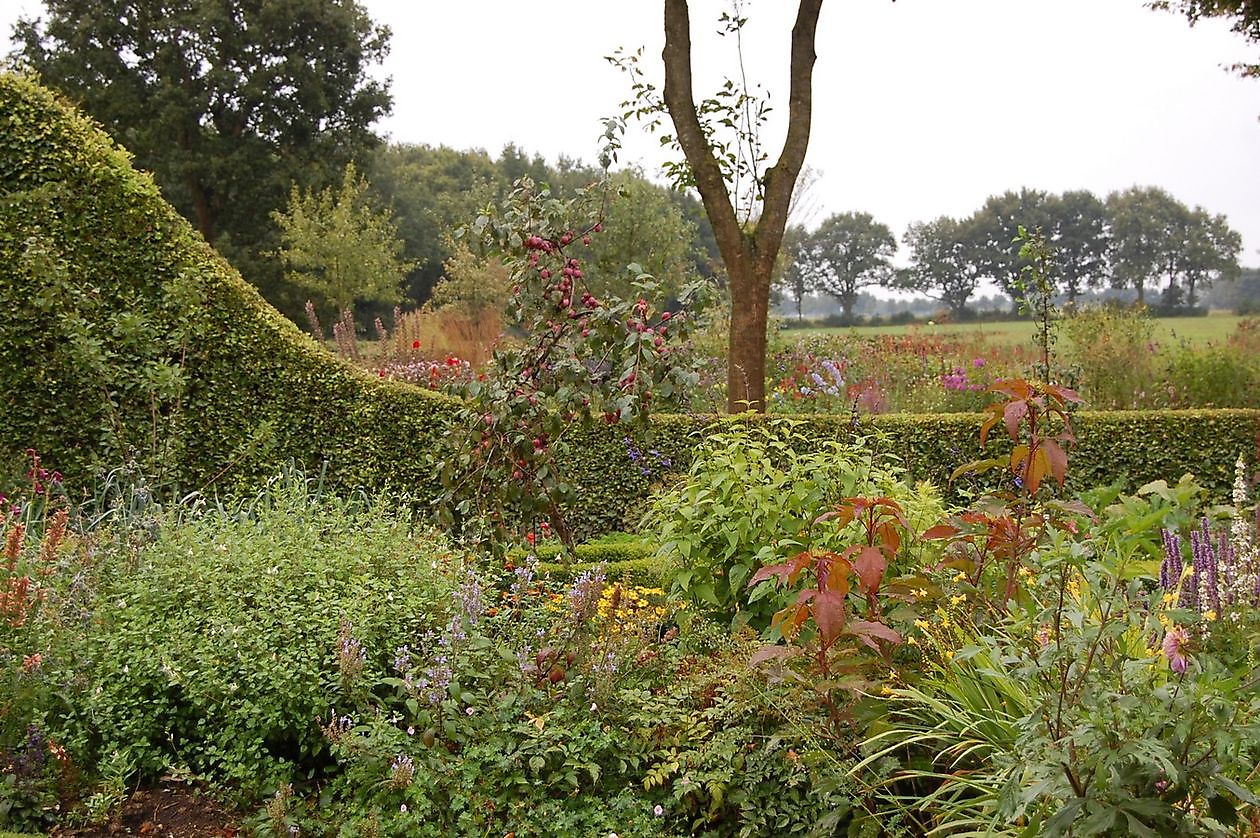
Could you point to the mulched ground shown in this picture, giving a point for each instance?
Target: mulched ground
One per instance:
(174, 810)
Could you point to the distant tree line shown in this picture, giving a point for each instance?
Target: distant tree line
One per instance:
(256, 122)
(1141, 238)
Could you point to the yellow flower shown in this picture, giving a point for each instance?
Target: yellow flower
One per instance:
(912, 640)
(1209, 615)
(956, 600)
(922, 625)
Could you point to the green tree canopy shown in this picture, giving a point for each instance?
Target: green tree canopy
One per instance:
(227, 102)
(644, 226)
(432, 191)
(339, 247)
(998, 222)
(948, 261)
(1081, 239)
(1158, 241)
(1244, 15)
(848, 252)
(1210, 252)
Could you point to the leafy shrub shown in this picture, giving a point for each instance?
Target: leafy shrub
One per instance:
(1079, 697)
(751, 499)
(1112, 349)
(1225, 375)
(213, 646)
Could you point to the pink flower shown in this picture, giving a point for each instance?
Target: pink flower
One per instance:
(1175, 649)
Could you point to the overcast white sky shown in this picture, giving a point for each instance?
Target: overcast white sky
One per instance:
(922, 107)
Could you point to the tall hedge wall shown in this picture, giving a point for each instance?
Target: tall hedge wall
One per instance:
(121, 330)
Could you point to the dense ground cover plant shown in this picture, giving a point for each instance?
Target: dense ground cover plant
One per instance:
(203, 641)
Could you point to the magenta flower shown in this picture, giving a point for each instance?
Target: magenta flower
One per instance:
(1175, 649)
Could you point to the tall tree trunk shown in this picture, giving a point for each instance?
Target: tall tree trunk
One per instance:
(748, 255)
(746, 345)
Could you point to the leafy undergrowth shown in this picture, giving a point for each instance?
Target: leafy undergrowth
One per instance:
(1032, 664)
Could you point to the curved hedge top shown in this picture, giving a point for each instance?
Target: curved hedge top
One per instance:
(121, 330)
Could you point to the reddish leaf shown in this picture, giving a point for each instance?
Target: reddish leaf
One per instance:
(1057, 458)
(843, 515)
(771, 570)
(1064, 394)
(1016, 388)
(1013, 413)
(871, 632)
(837, 576)
(989, 423)
(1038, 470)
(941, 531)
(870, 566)
(887, 535)
(829, 615)
(1019, 454)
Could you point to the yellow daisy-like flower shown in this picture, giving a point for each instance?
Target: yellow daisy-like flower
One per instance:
(1209, 615)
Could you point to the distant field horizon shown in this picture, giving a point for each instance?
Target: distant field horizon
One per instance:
(1196, 330)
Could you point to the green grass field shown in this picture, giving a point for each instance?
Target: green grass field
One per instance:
(1214, 327)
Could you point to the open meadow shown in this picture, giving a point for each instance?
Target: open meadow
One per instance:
(1216, 326)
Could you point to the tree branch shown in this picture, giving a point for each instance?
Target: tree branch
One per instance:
(680, 102)
(781, 178)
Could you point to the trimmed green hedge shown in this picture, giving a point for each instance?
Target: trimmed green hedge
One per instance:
(121, 330)
(1133, 446)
